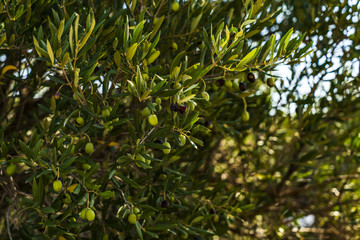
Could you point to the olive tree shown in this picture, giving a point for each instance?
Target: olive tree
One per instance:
(152, 119)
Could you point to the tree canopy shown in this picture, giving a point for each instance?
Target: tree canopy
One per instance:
(170, 119)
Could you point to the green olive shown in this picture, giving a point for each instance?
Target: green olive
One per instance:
(145, 112)
(79, 121)
(182, 140)
(90, 215)
(153, 120)
(86, 166)
(245, 116)
(89, 148)
(11, 169)
(57, 185)
(175, 6)
(166, 150)
(132, 218)
(83, 214)
(105, 113)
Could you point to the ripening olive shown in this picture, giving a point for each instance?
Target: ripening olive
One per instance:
(251, 77)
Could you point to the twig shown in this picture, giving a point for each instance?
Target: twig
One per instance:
(147, 135)
(8, 223)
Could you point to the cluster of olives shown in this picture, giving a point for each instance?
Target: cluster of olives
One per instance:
(242, 85)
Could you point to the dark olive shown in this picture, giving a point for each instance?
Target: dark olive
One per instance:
(208, 124)
(182, 108)
(174, 107)
(165, 204)
(242, 86)
(251, 77)
(220, 82)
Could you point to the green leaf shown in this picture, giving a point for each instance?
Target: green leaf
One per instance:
(50, 52)
(138, 230)
(87, 35)
(60, 30)
(107, 194)
(176, 60)
(156, 27)
(131, 52)
(137, 32)
(26, 149)
(250, 56)
(129, 181)
(48, 210)
(195, 22)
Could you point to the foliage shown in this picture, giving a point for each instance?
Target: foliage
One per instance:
(148, 119)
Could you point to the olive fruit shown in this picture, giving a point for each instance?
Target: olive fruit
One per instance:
(245, 116)
(136, 210)
(132, 218)
(105, 113)
(174, 107)
(228, 84)
(220, 82)
(86, 166)
(90, 215)
(209, 124)
(182, 140)
(158, 141)
(174, 46)
(242, 86)
(11, 169)
(270, 82)
(165, 204)
(215, 218)
(57, 185)
(145, 112)
(251, 77)
(79, 121)
(184, 235)
(182, 108)
(89, 148)
(158, 101)
(205, 95)
(61, 237)
(140, 158)
(153, 120)
(175, 6)
(192, 106)
(57, 96)
(83, 214)
(163, 176)
(166, 150)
